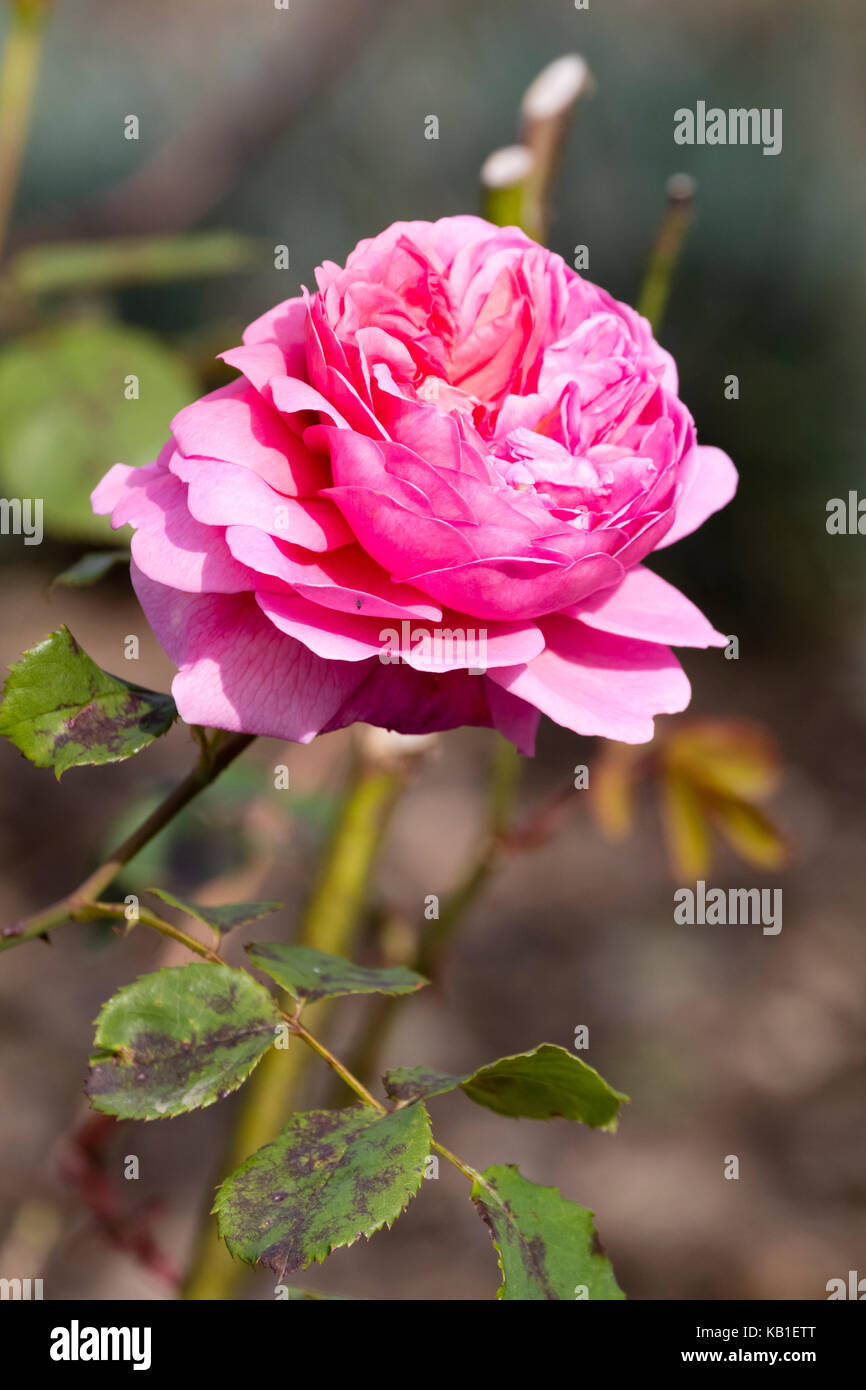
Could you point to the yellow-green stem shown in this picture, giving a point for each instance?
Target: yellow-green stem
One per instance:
(329, 925)
(19, 69)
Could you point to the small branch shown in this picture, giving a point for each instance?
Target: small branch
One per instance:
(89, 912)
(217, 754)
(665, 255)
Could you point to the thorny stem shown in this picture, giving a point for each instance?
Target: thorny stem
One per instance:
(216, 755)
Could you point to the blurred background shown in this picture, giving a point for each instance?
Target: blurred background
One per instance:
(305, 127)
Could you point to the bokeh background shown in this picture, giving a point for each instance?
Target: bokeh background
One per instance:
(306, 127)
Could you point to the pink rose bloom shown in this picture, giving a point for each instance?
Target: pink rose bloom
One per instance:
(425, 503)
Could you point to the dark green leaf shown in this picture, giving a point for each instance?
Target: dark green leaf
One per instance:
(219, 919)
(178, 1040)
(537, 1085)
(90, 568)
(330, 1177)
(62, 710)
(547, 1246)
(406, 1084)
(65, 417)
(309, 974)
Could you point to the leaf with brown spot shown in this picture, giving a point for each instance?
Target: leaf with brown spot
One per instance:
(328, 1178)
(548, 1247)
(178, 1040)
(308, 974)
(62, 710)
(220, 919)
(545, 1083)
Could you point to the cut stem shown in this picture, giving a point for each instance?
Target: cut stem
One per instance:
(665, 255)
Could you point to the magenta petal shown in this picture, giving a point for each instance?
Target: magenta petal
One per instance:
(447, 646)
(513, 587)
(222, 494)
(235, 425)
(411, 702)
(646, 607)
(236, 671)
(596, 683)
(712, 485)
(514, 718)
(345, 579)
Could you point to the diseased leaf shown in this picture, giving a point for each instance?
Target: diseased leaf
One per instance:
(219, 919)
(536, 1085)
(90, 569)
(328, 1178)
(178, 1040)
(62, 710)
(407, 1084)
(547, 1245)
(308, 974)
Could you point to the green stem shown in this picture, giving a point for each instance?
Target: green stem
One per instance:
(18, 72)
(504, 778)
(221, 750)
(667, 249)
(150, 919)
(329, 925)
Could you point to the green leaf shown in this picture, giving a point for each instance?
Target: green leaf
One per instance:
(65, 417)
(62, 710)
(547, 1245)
(219, 919)
(309, 974)
(407, 1084)
(536, 1085)
(328, 1178)
(90, 569)
(178, 1040)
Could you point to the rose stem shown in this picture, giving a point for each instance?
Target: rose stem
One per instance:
(665, 255)
(316, 1046)
(504, 780)
(329, 925)
(20, 66)
(216, 755)
(546, 111)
